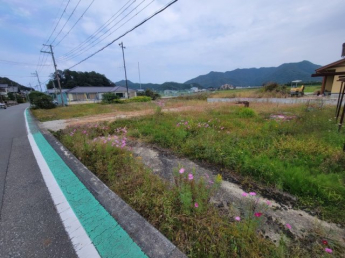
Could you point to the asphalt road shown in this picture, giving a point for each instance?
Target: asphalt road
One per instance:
(29, 223)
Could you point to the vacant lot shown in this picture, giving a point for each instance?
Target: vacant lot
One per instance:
(295, 149)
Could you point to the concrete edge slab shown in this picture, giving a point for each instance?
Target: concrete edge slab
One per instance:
(153, 243)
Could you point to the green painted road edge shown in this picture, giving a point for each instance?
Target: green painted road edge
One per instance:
(105, 233)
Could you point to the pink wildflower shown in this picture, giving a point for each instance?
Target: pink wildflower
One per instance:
(190, 176)
(328, 250)
(252, 193)
(288, 225)
(237, 218)
(181, 171)
(244, 194)
(268, 203)
(258, 214)
(196, 205)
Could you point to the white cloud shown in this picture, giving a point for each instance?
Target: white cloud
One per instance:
(187, 39)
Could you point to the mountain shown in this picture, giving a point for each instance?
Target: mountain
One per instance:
(282, 74)
(5, 80)
(159, 87)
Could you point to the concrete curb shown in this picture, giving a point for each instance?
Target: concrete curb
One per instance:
(320, 101)
(150, 240)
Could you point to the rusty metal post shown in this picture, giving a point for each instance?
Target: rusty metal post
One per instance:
(343, 113)
(340, 100)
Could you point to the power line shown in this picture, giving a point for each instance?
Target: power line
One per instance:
(58, 21)
(138, 25)
(100, 39)
(8, 62)
(75, 23)
(117, 14)
(66, 22)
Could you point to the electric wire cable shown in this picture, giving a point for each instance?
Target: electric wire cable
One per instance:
(86, 48)
(109, 21)
(66, 22)
(58, 22)
(75, 23)
(138, 25)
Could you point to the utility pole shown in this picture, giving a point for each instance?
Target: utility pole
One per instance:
(38, 78)
(14, 93)
(56, 73)
(124, 65)
(139, 75)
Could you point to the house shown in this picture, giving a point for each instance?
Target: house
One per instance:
(194, 89)
(227, 87)
(170, 92)
(13, 89)
(80, 93)
(331, 74)
(3, 89)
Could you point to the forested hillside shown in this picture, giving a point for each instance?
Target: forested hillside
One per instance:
(284, 73)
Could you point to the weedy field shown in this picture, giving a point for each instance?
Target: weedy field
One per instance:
(295, 149)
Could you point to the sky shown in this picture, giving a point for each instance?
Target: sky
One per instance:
(188, 39)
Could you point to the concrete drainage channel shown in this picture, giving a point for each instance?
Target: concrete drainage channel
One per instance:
(149, 240)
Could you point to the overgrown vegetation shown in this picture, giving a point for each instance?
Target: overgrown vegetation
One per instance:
(41, 101)
(149, 93)
(303, 156)
(181, 211)
(109, 98)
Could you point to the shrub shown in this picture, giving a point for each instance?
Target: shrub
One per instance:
(44, 102)
(109, 98)
(41, 100)
(274, 87)
(149, 93)
(140, 99)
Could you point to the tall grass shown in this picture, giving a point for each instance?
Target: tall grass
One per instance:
(303, 156)
(181, 211)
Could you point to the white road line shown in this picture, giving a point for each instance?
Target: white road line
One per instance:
(81, 242)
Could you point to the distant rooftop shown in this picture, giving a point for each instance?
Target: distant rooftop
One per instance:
(101, 89)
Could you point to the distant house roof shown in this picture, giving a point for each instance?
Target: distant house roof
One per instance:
(101, 89)
(52, 91)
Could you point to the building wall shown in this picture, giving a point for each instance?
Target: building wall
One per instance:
(132, 94)
(329, 83)
(336, 82)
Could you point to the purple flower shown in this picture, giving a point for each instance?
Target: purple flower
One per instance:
(328, 250)
(244, 194)
(237, 218)
(190, 176)
(288, 225)
(196, 205)
(181, 171)
(252, 193)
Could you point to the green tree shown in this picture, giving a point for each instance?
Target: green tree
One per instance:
(69, 79)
